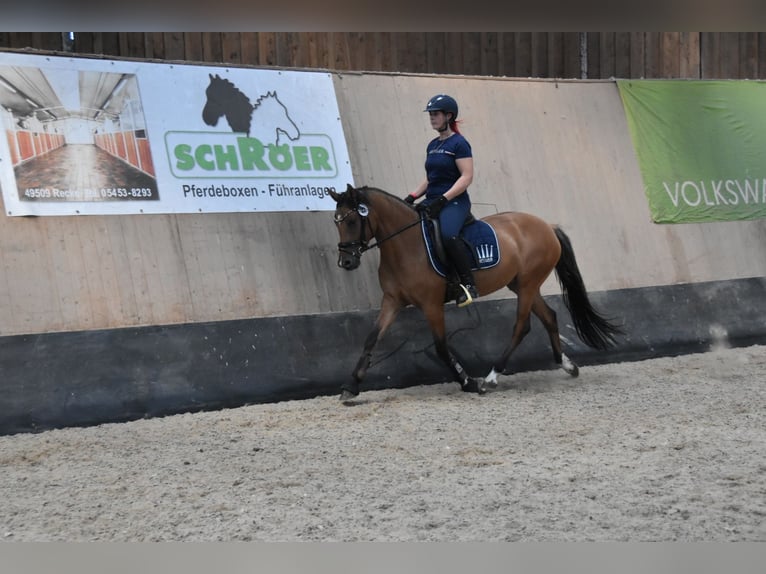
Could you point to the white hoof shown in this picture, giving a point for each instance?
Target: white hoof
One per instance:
(491, 379)
(569, 366)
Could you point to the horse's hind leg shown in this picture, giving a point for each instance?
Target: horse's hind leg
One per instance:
(548, 318)
(389, 309)
(520, 330)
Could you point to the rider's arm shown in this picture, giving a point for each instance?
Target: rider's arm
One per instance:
(465, 165)
(421, 189)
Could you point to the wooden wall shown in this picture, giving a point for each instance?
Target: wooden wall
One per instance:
(517, 54)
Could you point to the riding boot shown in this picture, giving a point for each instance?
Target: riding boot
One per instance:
(460, 258)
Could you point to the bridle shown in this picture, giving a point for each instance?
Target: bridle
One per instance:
(356, 248)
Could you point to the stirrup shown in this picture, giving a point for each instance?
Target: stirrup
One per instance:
(466, 298)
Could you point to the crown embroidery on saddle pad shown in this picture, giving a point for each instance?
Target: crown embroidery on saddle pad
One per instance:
(479, 235)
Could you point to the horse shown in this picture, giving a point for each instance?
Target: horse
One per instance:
(530, 249)
(266, 120)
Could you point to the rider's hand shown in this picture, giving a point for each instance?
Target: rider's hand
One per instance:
(410, 199)
(435, 207)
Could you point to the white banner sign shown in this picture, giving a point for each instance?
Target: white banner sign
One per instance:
(93, 136)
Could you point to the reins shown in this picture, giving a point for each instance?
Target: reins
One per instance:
(394, 234)
(361, 243)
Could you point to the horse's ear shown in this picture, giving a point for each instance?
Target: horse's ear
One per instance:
(211, 76)
(353, 193)
(334, 195)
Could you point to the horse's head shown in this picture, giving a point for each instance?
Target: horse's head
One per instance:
(273, 120)
(351, 218)
(224, 98)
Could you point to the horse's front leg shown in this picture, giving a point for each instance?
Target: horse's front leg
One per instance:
(435, 315)
(389, 309)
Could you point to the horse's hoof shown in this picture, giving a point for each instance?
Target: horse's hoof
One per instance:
(575, 372)
(490, 381)
(569, 366)
(347, 396)
(474, 386)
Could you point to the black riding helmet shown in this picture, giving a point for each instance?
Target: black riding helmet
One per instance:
(442, 103)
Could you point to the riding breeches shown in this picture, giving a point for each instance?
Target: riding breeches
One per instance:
(453, 215)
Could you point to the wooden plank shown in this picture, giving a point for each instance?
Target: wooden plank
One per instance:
(416, 42)
(211, 47)
(175, 48)
(231, 47)
(454, 53)
(761, 55)
(293, 49)
(122, 39)
(748, 55)
(523, 54)
(622, 54)
(193, 46)
(48, 41)
(729, 55)
(436, 53)
(506, 52)
(249, 43)
(710, 55)
(107, 43)
(594, 54)
(330, 48)
(102, 281)
(637, 54)
(372, 51)
(607, 56)
(134, 45)
(342, 59)
(670, 54)
(689, 46)
(30, 300)
(267, 48)
(540, 54)
(154, 43)
(652, 66)
(488, 43)
(283, 49)
(83, 43)
(556, 54)
(387, 51)
(571, 54)
(472, 53)
(403, 56)
(22, 40)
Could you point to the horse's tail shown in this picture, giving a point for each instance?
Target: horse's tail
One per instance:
(594, 329)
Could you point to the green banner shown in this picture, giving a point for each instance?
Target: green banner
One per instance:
(701, 147)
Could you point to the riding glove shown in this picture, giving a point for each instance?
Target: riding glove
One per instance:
(409, 199)
(434, 208)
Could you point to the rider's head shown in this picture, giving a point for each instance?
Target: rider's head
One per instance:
(447, 105)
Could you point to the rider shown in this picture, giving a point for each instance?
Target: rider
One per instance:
(449, 172)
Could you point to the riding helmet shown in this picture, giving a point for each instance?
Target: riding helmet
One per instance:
(443, 103)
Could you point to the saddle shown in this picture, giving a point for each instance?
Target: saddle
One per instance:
(477, 235)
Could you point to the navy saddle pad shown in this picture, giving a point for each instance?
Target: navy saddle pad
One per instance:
(480, 237)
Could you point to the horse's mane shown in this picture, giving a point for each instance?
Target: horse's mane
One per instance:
(267, 95)
(365, 189)
(365, 194)
(230, 90)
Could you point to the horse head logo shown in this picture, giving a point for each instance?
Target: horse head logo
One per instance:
(268, 119)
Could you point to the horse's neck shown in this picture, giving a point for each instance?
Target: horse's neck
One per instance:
(393, 215)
